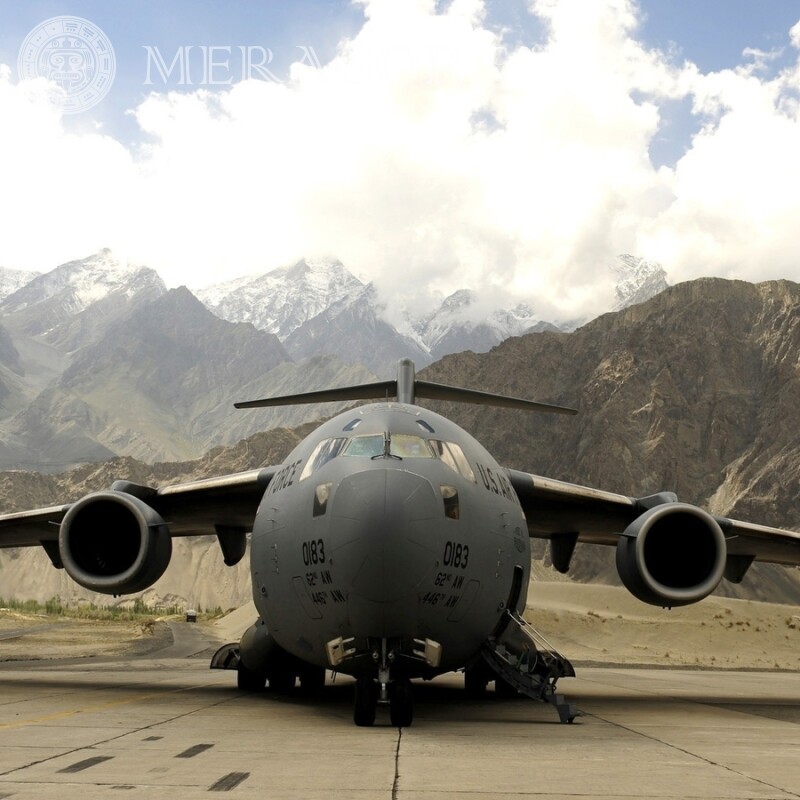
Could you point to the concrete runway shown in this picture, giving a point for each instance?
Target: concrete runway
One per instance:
(166, 726)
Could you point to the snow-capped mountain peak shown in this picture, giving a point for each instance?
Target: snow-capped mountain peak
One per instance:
(458, 301)
(12, 280)
(637, 280)
(300, 302)
(282, 300)
(463, 322)
(85, 281)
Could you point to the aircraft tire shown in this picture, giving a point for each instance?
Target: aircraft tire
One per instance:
(475, 681)
(312, 680)
(401, 704)
(366, 702)
(282, 682)
(249, 681)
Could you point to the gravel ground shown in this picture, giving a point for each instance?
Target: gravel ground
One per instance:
(25, 637)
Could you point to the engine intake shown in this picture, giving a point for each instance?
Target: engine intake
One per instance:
(672, 555)
(114, 543)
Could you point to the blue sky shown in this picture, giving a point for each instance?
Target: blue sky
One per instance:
(711, 33)
(280, 27)
(497, 145)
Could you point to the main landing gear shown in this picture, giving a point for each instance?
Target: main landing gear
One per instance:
(250, 681)
(281, 681)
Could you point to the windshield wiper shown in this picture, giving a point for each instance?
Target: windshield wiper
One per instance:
(387, 448)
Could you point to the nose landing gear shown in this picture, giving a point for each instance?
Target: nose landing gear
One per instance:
(400, 699)
(396, 693)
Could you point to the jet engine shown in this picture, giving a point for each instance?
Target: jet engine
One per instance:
(672, 555)
(114, 543)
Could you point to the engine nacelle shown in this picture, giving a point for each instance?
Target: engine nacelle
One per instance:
(672, 555)
(114, 543)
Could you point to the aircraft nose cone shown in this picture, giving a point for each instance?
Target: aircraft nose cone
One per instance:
(384, 522)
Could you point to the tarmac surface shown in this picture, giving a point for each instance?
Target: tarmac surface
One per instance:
(164, 725)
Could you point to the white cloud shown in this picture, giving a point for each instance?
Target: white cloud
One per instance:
(794, 34)
(735, 208)
(428, 156)
(61, 195)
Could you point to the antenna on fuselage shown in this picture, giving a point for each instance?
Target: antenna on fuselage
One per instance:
(407, 388)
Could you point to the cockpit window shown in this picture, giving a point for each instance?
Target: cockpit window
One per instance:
(443, 454)
(326, 450)
(463, 465)
(401, 445)
(365, 446)
(407, 446)
(452, 455)
(352, 425)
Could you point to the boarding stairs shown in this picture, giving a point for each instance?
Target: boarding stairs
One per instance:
(526, 661)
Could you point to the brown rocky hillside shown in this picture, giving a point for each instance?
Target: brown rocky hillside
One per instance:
(696, 391)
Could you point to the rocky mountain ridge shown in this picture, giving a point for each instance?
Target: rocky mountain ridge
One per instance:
(694, 391)
(98, 359)
(96, 355)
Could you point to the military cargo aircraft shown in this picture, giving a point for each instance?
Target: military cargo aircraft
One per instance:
(391, 545)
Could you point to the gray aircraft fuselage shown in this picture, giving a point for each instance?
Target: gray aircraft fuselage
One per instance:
(375, 531)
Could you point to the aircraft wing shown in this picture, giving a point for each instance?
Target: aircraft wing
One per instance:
(562, 511)
(194, 508)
